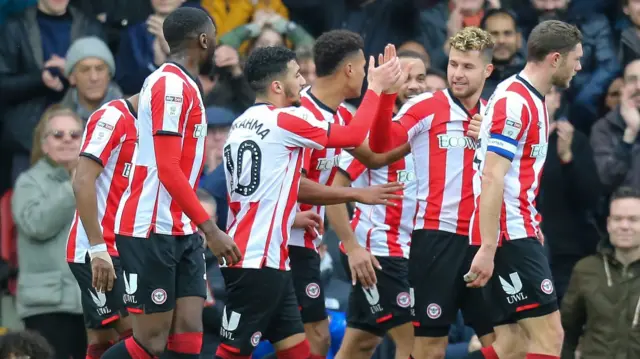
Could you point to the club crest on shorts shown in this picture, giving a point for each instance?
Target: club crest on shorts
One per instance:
(434, 311)
(255, 338)
(312, 290)
(546, 286)
(403, 300)
(159, 296)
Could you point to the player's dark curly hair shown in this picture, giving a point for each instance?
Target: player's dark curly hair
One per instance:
(265, 64)
(25, 344)
(332, 47)
(185, 23)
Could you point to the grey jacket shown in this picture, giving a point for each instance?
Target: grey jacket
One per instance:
(43, 207)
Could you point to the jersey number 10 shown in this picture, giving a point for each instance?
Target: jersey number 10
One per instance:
(252, 149)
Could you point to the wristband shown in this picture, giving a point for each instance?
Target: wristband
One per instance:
(98, 248)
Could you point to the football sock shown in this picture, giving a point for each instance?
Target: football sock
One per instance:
(299, 351)
(126, 334)
(541, 356)
(184, 346)
(95, 351)
(127, 349)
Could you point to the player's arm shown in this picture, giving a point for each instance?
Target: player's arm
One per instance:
(373, 160)
(102, 135)
(311, 192)
(508, 124)
(355, 132)
(170, 103)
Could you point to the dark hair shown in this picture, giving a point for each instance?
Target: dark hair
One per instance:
(333, 47)
(496, 12)
(414, 55)
(552, 36)
(304, 53)
(185, 23)
(25, 343)
(438, 73)
(266, 63)
(624, 192)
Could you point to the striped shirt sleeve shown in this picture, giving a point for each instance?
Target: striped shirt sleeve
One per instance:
(509, 121)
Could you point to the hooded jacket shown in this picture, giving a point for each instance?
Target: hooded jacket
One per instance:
(602, 305)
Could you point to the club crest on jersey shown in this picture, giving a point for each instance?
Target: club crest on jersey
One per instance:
(326, 164)
(255, 338)
(159, 296)
(434, 311)
(539, 151)
(403, 300)
(546, 286)
(448, 141)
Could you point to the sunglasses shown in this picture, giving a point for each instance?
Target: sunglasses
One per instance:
(58, 135)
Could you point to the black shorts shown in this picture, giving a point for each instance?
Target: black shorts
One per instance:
(387, 305)
(522, 284)
(305, 269)
(100, 309)
(438, 262)
(261, 304)
(160, 269)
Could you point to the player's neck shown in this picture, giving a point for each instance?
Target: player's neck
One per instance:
(272, 100)
(181, 58)
(539, 77)
(627, 256)
(471, 102)
(328, 91)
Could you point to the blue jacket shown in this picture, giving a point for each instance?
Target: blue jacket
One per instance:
(10, 7)
(134, 60)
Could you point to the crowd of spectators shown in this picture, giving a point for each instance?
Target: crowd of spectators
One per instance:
(60, 60)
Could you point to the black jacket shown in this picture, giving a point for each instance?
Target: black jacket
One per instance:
(23, 95)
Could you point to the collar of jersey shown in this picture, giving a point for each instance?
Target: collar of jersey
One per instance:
(528, 84)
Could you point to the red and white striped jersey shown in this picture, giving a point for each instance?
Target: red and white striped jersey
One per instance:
(263, 158)
(109, 139)
(383, 230)
(515, 126)
(170, 104)
(437, 124)
(321, 166)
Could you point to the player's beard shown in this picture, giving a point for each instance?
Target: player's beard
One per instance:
(293, 98)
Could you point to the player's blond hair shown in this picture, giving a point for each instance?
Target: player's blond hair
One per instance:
(473, 39)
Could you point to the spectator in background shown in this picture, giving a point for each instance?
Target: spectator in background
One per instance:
(271, 30)
(228, 16)
(599, 63)
(230, 88)
(443, 20)
(143, 47)
(307, 65)
(43, 205)
(568, 197)
(612, 98)
(508, 56)
(11, 7)
(25, 344)
(630, 39)
(435, 80)
(32, 49)
(614, 138)
(602, 304)
(219, 122)
(89, 68)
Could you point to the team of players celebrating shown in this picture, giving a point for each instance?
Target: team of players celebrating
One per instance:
(445, 185)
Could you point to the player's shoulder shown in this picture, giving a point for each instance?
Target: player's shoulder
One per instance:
(419, 101)
(111, 113)
(296, 111)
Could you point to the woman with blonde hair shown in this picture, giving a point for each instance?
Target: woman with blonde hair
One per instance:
(43, 204)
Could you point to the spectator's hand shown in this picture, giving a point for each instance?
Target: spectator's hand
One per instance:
(102, 272)
(565, 138)
(310, 221)
(361, 265)
(454, 24)
(474, 126)
(52, 82)
(385, 75)
(629, 110)
(227, 57)
(278, 23)
(55, 62)
(474, 344)
(379, 194)
(223, 247)
(154, 25)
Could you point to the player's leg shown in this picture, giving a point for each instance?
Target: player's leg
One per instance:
(253, 300)
(525, 277)
(434, 265)
(101, 311)
(285, 330)
(305, 268)
(185, 338)
(149, 270)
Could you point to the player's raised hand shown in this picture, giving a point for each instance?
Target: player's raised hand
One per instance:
(385, 75)
(361, 265)
(222, 247)
(474, 126)
(310, 221)
(380, 194)
(481, 269)
(102, 272)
